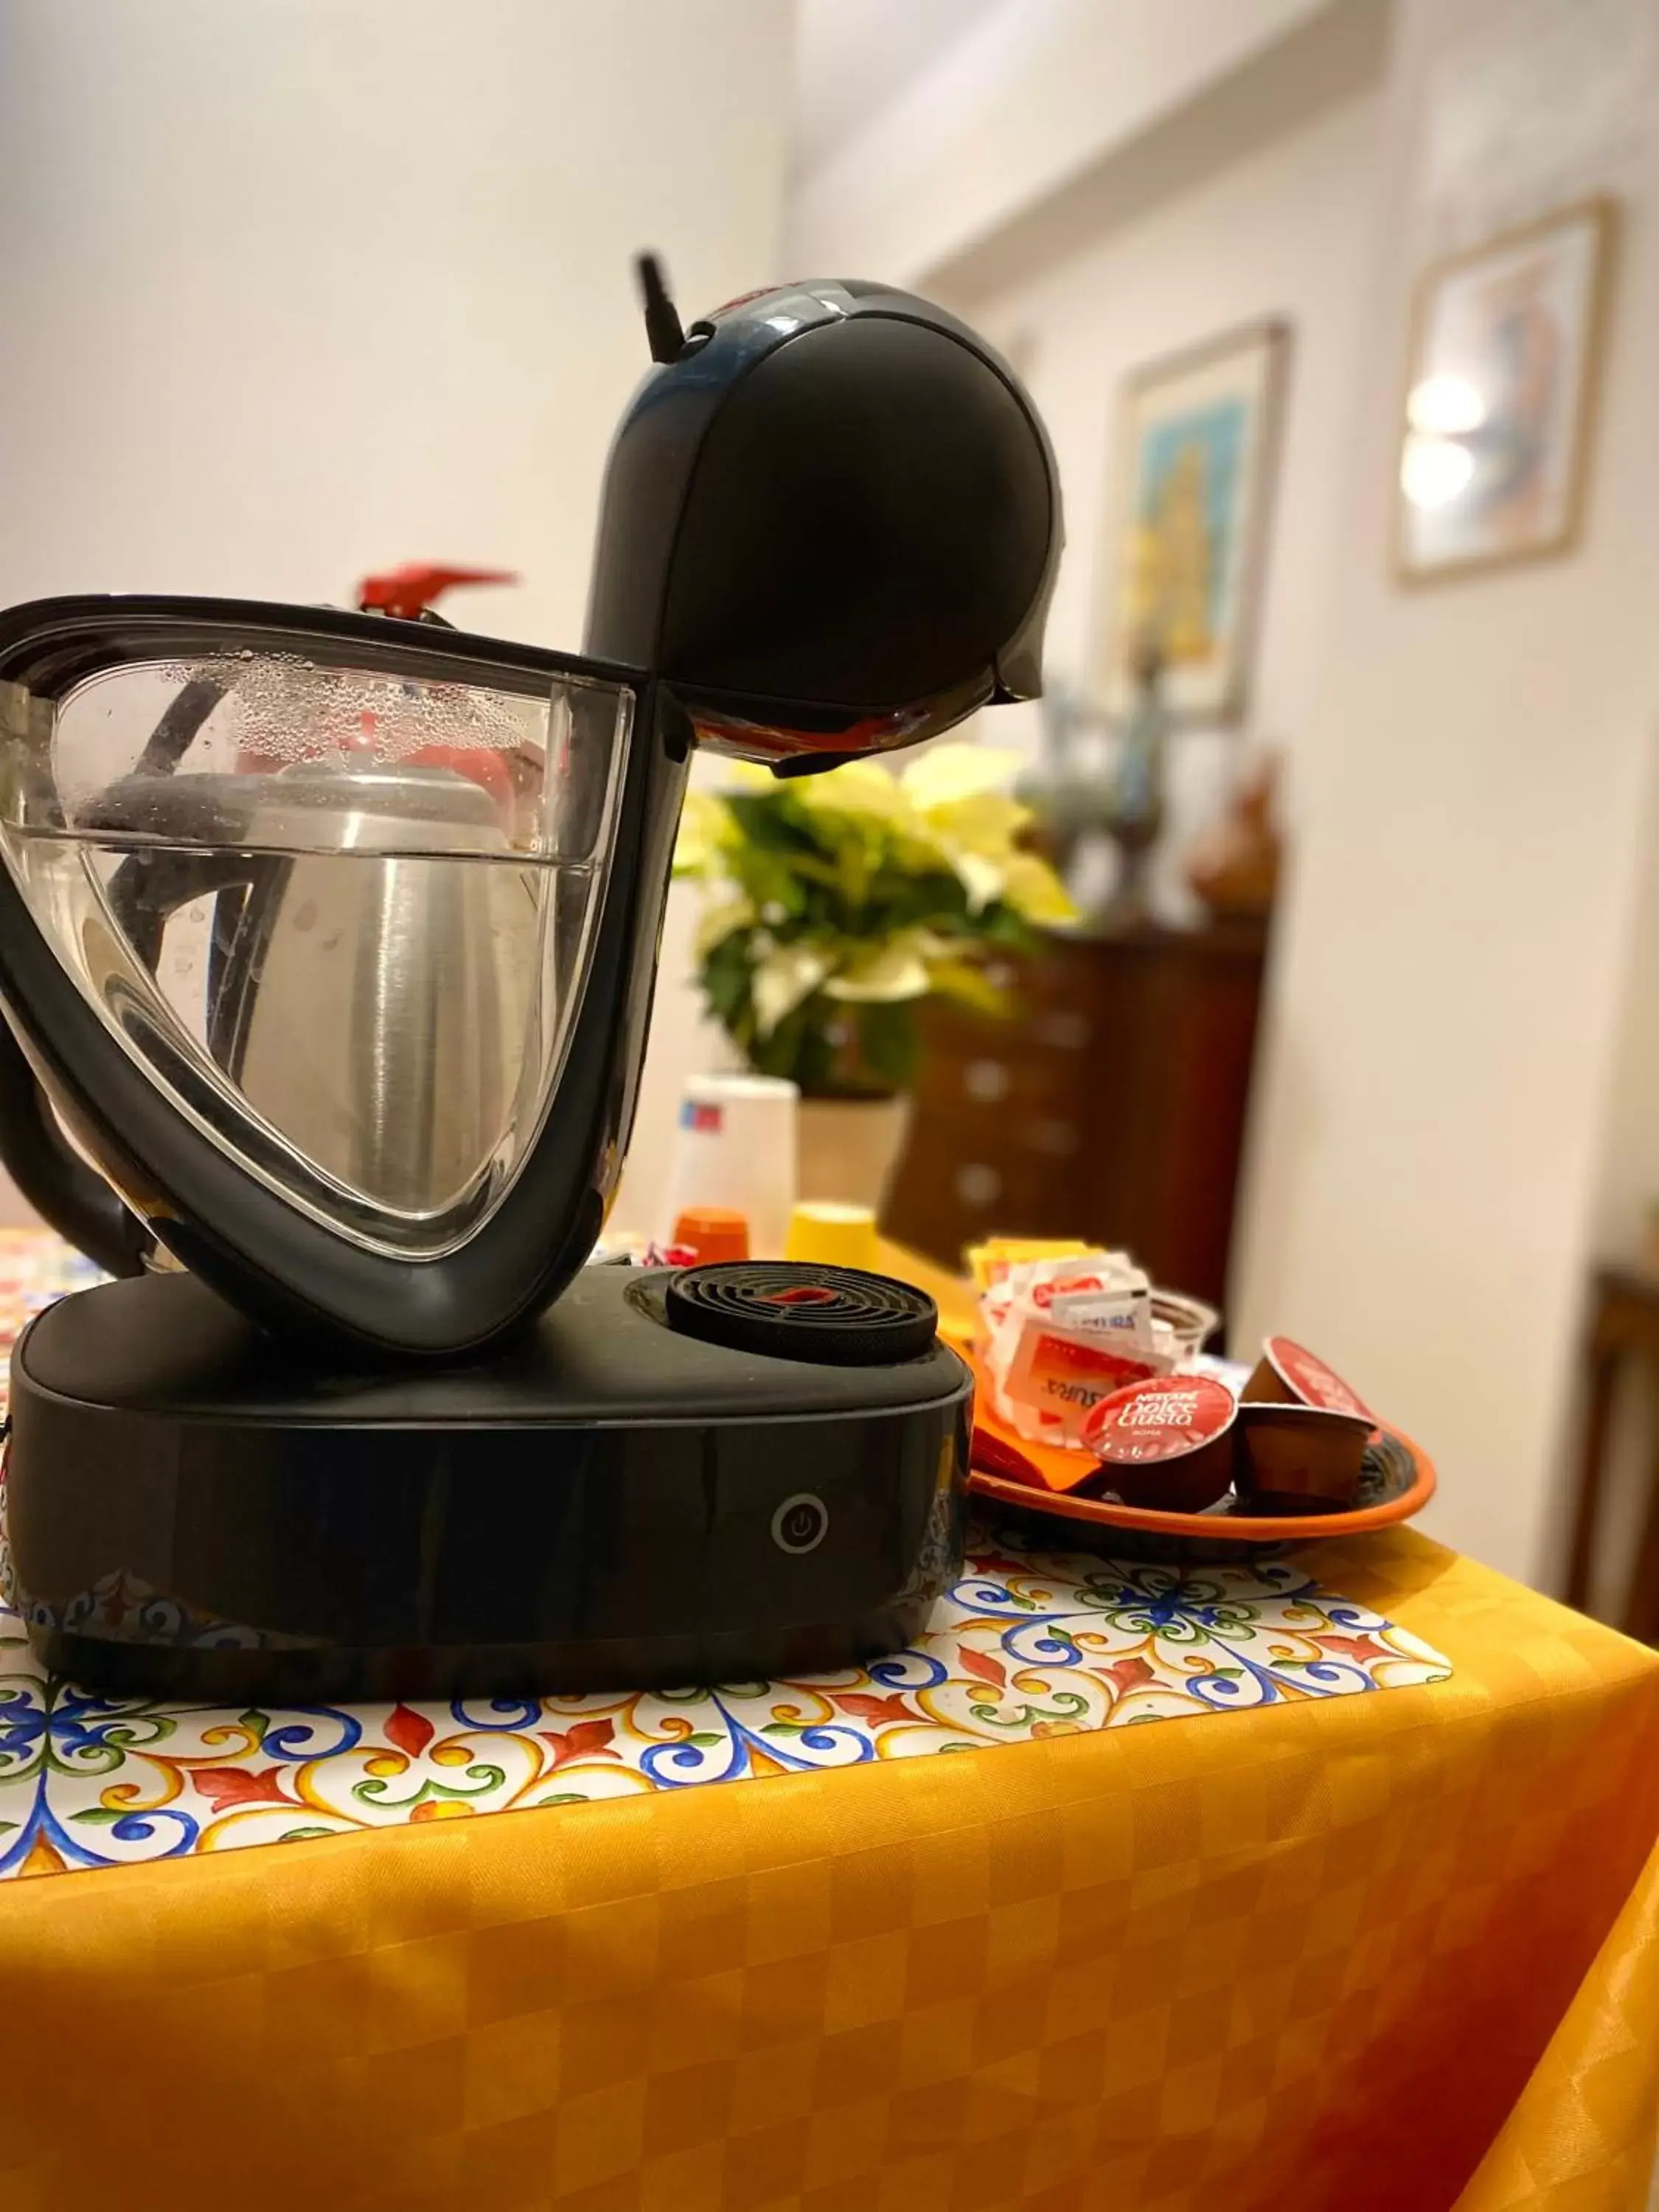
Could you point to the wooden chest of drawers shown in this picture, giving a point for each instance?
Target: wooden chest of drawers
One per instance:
(1111, 1106)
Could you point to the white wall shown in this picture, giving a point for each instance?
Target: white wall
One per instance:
(683, 1042)
(1284, 232)
(1460, 1069)
(1628, 1184)
(1431, 1143)
(1035, 92)
(1459, 1079)
(853, 57)
(295, 290)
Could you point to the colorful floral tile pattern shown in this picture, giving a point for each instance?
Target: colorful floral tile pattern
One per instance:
(1030, 1643)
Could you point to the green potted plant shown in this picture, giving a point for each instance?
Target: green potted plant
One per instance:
(834, 905)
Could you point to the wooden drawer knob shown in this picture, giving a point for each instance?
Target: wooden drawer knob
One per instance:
(977, 1184)
(1070, 1032)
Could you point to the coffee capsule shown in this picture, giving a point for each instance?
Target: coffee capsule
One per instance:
(1299, 1459)
(1287, 1373)
(1165, 1442)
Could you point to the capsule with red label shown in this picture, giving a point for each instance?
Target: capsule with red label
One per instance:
(1165, 1442)
(1288, 1374)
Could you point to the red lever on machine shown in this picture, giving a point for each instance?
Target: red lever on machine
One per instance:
(410, 590)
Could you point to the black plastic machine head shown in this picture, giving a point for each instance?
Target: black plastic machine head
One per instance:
(830, 522)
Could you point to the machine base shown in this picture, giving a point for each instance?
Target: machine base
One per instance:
(195, 1511)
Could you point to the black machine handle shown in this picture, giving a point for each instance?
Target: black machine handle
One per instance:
(70, 1196)
(57, 1183)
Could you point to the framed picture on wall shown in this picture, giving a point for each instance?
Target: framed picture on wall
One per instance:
(1502, 368)
(1187, 528)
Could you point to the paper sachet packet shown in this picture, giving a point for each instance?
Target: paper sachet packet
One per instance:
(1061, 1333)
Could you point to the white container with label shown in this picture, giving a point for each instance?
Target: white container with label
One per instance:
(734, 1144)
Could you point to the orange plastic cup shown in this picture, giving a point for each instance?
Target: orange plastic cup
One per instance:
(713, 1232)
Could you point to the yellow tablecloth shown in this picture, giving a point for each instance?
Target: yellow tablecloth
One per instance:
(1381, 1951)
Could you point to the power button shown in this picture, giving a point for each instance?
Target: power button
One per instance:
(800, 1523)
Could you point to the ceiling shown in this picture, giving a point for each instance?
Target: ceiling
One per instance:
(853, 56)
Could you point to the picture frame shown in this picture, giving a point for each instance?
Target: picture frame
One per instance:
(1497, 410)
(1189, 515)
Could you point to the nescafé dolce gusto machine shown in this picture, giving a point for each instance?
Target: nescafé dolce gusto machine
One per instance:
(327, 943)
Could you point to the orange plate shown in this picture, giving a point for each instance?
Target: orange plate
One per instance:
(1051, 1464)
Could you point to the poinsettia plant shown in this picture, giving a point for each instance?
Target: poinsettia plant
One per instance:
(836, 903)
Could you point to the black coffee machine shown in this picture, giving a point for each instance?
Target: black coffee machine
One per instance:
(327, 944)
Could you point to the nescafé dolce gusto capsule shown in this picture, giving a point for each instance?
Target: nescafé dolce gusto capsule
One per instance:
(1288, 1374)
(1166, 1442)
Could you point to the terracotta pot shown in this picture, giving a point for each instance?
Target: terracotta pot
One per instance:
(849, 1148)
(1233, 867)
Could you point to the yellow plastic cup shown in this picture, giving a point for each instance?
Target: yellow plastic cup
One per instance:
(832, 1235)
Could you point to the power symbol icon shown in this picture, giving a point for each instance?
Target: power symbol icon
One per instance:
(800, 1523)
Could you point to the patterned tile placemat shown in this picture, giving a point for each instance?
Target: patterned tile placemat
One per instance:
(1029, 1644)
